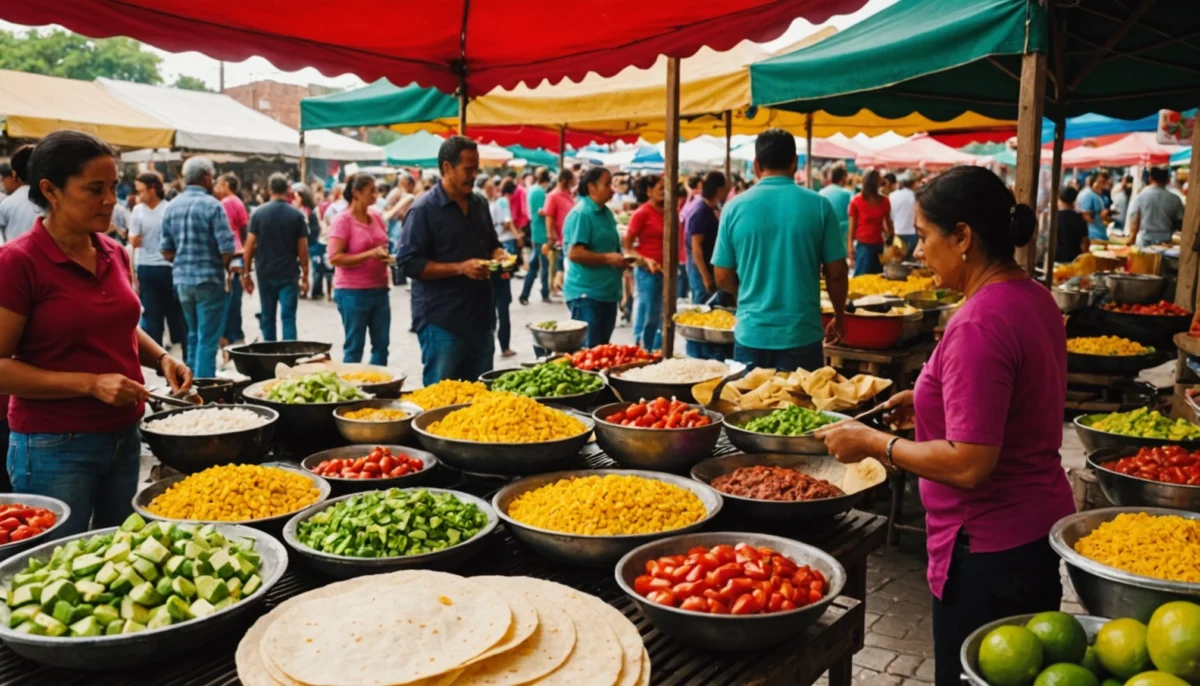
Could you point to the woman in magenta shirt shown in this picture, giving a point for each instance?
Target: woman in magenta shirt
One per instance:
(988, 410)
(358, 251)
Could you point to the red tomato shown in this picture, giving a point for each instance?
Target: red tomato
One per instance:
(662, 598)
(375, 455)
(642, 584)
(4, 536)
(22, 533)
(371, 468)
(387, 463)
(696, 604)
(9, 524)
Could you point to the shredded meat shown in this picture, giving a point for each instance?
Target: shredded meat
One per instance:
(774, 483)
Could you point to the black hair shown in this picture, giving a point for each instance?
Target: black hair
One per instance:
(58, 157)
(306, 197)
(278, 183)
(566, 177)
(511, 174)
(20, 161)
(870, 184)
(591, 176)
(694, 181)
(713, 182)
(543, 175)
(978, 198)
(383, 188)
(643, 186)
(1068, 195)
(508, 187)
(231, 180)
(153, 181)
(356, 182)
(775, 150)
(891, 178)
(837, 175)
(5, 169)
(452, 150)
(1160, 175)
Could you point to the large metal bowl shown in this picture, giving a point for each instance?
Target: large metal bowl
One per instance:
(1070, 300)
(1130, 365)
(632, 391)
(1108, 591)
(731, 632)
(362, 431)
(704, 334)
(258, 360)
(594, 551)
(302, 426)
(339, 486)
(1147, 329)
(379, 389)
(196, 453)
(1135, 289)
(558, 341)
(1126, 490)
(1094, 439)
(343, 567)
(669, 450)
(773, 511)
(579, 401)
(149, 645)
(61, 510)
(969, 655)
(500, 458)
(754, 442)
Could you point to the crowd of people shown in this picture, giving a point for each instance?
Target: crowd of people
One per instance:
(1094, 208)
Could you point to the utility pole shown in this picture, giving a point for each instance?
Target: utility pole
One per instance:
(221, 76)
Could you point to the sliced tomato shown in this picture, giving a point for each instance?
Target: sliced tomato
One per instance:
(642, 584)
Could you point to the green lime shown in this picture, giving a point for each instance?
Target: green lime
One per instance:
(1111, 682)
(1062, 636)
(1092, 662)
(1121, 647)
(1066, 674)
(1173, 639)
(1156, 679)
(1010, 656)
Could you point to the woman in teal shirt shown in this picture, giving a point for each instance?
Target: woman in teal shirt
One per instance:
(593, 283)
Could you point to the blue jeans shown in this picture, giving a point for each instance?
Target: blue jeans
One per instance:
(283, 295)
(705, 351)
(233, 312)
(647, 311)
(910, 240)
(160, 303)
(808, 357)
(538, 265)
(601, 319)
(502, 300)
(449, 355)
(363, 310)
(866, 258)
(204, 310)
(322, 277)
(95, 474)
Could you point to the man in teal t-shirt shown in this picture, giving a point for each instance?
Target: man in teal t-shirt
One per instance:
(839, 196)
(774, 242)
(537, 236)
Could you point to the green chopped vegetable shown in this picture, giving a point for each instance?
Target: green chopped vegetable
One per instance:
(547, 326)
(548, 380)
(1144, 423)
(789, 421)
(322, 387)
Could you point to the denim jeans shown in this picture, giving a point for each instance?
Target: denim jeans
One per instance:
(866, 258)
(204, 310)
(232, 331)
(601, 319)
(647, 312)
(95, 474)
(363, 310)
(322, 277)
(910, 241)
(700, 296)
(160, 304)
(539, 265)
(283, 295)
(502, 300)
(808, 357)
(449, 355)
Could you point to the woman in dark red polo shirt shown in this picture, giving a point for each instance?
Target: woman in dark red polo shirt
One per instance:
(71, 352)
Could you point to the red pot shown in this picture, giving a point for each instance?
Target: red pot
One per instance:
(877, 332)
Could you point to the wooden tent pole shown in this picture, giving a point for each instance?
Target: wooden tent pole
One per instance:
(670, 263)
(808, 122)
(462, 105)
(1189, 260)
(303, 153)
(1060, 136)
(1029, 142)
(729, 148)
(562, 147)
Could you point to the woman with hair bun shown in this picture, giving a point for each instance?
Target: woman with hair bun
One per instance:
(988, 410)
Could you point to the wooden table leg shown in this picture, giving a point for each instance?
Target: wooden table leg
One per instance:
(841, 672)
(896, 483)
(856, 580)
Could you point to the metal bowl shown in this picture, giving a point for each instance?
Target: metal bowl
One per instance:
(1094, 439)
(594, 551)
(303, 426)
(150, 645)
(343, 567)
(969, 655)
(896, 271)
(705, 334)
(1147, 329)
(558, 341)
(754, 442)
(271, 525)
(1127, 490)
(1111, 592)
(579, 401)
(379, 389)
(1083, 363)
(1135, 289)
(1069, 301)
(196, 453)
(339, 486)
(61, 510)
(500, 458)
(669, 450)
(773, 511)
(731, 632)
(258, 360)
(628, 389)
(363, 431)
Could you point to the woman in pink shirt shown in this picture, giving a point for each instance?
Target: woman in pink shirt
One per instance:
(988, 410)
(358, 251)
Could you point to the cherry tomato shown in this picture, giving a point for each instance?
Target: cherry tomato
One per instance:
(696, 604)
(642, 584)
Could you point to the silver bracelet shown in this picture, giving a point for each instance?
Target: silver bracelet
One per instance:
(890, 462)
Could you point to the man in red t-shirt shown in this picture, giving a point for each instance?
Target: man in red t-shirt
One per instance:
(226, 190)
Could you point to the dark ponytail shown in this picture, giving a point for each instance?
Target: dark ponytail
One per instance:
(978, 198)
(589, 177)
(643, 186)
(58, 157)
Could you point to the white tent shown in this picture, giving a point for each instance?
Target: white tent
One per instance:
(323, 144)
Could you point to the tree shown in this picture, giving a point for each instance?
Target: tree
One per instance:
(72, 56)
(191, 83)
(381, 135)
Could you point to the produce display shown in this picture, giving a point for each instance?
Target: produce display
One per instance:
(481, 631)
(142, 576)
(448, 392)
(236, 493)
(19, 522)
(876, 284)
(1160, 547)
(380, 463)
(685, 370)
(610, 355)
(392, 523)
(505, 418)
(609, 505)
(322, 387)
(660, 413)
(824, 389)
(762, 482)
(547, 380)
(564, 325)
(1159, 308)
(376, 414)
(789, 421)
(712, 319)
(207, 421)
(1106, 345)
(366, 377)
(727, 579)
(1144, 423)
(1171, 464)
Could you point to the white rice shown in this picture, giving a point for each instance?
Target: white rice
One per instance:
(209, 420)
(677, 371)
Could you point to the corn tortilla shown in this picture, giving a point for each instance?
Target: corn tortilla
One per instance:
(597, 658)
(545, 651)
(644, 677)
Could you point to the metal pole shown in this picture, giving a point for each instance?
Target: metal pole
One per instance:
(462, 105)
(1029, 142)
(562, 147)
(221, 79)
(729, 148)
(808, 118)
(1060, 135)
(670, 263)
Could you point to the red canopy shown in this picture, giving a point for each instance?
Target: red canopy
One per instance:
(1134, 148)
(919, 151)
(535, 137)
(501, 42)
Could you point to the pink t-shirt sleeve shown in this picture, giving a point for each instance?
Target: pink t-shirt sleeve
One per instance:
(340, 229)
(978, 368)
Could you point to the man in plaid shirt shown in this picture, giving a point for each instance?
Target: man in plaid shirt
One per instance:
(197, 240)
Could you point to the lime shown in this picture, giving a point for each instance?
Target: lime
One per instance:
(1062, 636)
(1066, 674)
(1173, 639)
(1121, 647)
(1092, 662)
(1156, 679)
(1111, 682)
(1010, 656)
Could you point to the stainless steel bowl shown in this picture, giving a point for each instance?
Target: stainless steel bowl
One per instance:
(258, 360)
(500, 458)
(1135, 289)
(579, 401)
(896, 271)
(61, 510)
(670, 450)
(150, 645)
(339, 486)
(773, 511)
(1133, 491)
(969, 654)
(343, 567)
(705, 334)
(194, 453)
(558, 341)
(304, 426)
(731, 632)
(1069, 300)
(632, 391)
(1111, 592)
(362, 431)
(754, 442)
(594, 551)
(1094, 439)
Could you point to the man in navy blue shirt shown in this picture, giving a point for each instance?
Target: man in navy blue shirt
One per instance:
(700, 237)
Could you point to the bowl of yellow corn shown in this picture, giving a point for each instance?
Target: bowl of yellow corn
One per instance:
(1110, 355)
(706, 324)
(376, 421)
(502, 433)
(592, 517)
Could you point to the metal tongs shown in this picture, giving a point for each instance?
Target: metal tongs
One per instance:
(188, 398)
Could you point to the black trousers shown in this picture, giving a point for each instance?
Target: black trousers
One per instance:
(983, 587)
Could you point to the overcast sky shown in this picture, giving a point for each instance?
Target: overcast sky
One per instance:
(256, 68)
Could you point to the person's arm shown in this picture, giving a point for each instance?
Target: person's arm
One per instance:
(851, 227)
(836, 270)
(152, 355)
(166, 239)
(889, 229)
(701, 266)
(725, 257)
(305, 260)
(219, 223)
(1133, 222)
(248, 250)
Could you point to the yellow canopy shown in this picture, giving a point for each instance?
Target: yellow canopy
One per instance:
(33, 105)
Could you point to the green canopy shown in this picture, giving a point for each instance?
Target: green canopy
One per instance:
(378, 104)
(419, 149)
(978, 148)
(536, 157)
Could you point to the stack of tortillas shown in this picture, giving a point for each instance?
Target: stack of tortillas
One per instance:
(435, 629)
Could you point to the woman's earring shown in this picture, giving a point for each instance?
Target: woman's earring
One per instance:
(964, 257)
